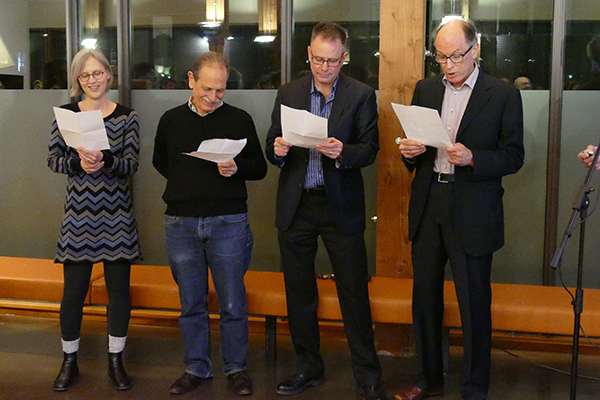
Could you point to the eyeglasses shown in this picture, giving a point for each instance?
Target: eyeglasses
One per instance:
(96, 74)
(330, 62)
(455, 58)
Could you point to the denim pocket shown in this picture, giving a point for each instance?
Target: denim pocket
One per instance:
(234, 218)
(170, 220)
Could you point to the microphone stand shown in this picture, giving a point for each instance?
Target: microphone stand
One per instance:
(580, 206)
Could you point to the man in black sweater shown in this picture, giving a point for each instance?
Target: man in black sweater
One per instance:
(206, 222)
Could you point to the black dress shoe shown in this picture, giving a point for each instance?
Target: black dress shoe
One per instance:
(240, 383)
(297, 383)
(117, 373)
(372, 391)
(416, 393)
(186, 383)
(69, 371)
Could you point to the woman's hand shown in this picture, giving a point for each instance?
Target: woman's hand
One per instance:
(91, 160)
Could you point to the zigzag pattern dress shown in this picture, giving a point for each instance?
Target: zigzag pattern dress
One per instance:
(98, 222)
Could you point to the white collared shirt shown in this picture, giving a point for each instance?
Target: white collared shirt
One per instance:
(453, 109)
(194, 109)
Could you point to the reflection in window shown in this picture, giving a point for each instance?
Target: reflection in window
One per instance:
(168, 39)
(582, 63)
(360, 18)
(47, 42)
(513, 48)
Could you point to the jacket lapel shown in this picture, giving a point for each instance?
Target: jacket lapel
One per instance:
(438, 94)
(341, 97)
(480, 96)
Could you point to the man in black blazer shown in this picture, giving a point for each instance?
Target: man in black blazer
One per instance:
(455, 209)
(321, 193)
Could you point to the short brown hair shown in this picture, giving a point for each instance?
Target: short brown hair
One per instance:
(330, 31)
(210, 57)
(77, 66)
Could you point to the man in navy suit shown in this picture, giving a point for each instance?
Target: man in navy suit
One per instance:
(321, 193)
(455, 210)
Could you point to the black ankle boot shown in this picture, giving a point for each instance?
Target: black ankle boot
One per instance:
(68, 372)
(117, 372)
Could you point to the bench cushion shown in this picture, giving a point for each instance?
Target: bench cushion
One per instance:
(35, 279)
(151, 287)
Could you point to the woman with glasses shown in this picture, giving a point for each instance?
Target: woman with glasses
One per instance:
(98, 223)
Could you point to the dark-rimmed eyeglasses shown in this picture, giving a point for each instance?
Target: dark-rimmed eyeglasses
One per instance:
(332, 62)
(96, 74)
(455, 58)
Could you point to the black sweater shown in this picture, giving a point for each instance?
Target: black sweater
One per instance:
(194, 186)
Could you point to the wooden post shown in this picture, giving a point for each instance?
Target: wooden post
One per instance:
(402, 25)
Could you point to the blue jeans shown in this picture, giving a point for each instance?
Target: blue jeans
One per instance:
(223, 244)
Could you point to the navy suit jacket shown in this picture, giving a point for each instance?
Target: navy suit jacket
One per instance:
(353, 121)
(492, 128)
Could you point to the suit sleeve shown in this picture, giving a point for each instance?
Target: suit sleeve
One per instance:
(274, 133)
(508, 157)
(362, 150)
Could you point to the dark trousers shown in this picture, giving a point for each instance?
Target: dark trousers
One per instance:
(298, 245)
(77, 281)
(437, 242)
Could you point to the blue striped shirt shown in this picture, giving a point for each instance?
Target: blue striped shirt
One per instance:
(314, 172)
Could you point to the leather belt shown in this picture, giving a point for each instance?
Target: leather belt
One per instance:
(445, 178)
(316, 190)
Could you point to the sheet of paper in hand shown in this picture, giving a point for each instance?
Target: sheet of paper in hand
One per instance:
(301, 128)
(423, 125)
(82, 129)
(219, 150)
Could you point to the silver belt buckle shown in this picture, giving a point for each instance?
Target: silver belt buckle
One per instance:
(448, 178)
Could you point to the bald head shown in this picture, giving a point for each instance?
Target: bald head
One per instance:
(458, 27)
(457, 40)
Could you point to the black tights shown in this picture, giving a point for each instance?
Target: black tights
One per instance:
(77, 281)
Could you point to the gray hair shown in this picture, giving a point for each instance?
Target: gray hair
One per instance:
(210, 57)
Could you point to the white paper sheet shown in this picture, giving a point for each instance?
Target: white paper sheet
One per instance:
(302, 128)
(423, 125)
(82, 129)
(219, 150)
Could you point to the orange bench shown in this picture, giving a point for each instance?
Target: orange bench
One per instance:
(515, 308)
(35, 279)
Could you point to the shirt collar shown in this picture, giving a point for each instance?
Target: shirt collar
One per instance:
(470, 82)
(314, 90)
(193, 107)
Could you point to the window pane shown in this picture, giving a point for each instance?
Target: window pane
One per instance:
(360, 18)
(515, 37)
(169, 36)
(32, 44)
(579, 129)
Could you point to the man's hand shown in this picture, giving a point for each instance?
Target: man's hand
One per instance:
(587, 156)
(281, 147)
(459, 155)
(227, 168)
(332, 149)
(411, 148)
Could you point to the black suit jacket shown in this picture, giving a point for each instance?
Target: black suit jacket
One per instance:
(492, 128)
(353, 121)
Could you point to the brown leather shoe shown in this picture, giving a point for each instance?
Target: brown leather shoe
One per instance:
(415, 393)
(240, 383)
